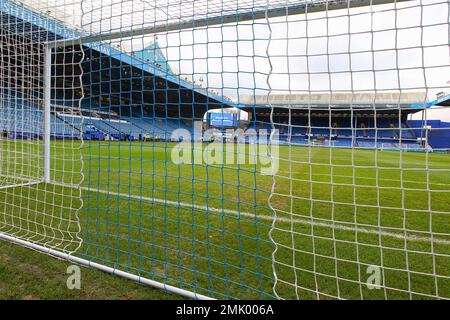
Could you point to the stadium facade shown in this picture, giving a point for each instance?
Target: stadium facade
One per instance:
(362, 120)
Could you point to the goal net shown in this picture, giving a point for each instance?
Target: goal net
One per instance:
(38, 201)
(232, 149)
(364, 218)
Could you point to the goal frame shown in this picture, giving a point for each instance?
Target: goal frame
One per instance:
(303, 8)
(47, 103)
(232, 18)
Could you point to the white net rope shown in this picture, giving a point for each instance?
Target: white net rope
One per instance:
(367, 219)
(32, 208)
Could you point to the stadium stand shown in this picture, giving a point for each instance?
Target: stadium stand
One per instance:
(386, 133)
(146, 98)
(436, 132)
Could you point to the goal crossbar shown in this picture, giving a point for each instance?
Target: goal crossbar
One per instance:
(307, 7)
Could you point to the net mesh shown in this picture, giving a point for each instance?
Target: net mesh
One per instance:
(236, 149)
(364, 222)
(31, 208)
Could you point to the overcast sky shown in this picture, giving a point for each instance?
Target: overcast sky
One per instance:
(362, 49)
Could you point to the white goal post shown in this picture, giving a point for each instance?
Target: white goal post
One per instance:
(47, 104)
(39, 203)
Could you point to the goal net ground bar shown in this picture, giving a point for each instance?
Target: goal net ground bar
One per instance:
(102, 267)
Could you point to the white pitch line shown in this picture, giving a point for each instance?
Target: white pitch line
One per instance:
(337, 226)
(365, 178)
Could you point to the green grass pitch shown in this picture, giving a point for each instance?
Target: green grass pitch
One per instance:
(206, 228)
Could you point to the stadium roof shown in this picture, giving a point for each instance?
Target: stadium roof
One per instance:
(164, 16)
(153, 53)
(41, 28)
(442, 102)
(368, 97)
(342, 100)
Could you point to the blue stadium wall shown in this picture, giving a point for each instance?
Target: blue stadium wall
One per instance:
(438, 136)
